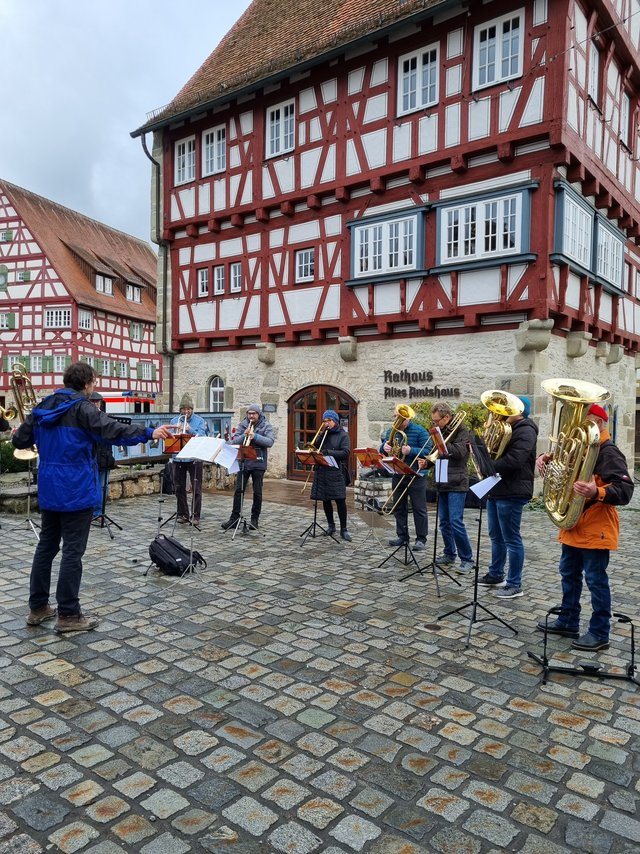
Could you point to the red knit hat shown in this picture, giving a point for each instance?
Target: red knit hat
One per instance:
(598, 411)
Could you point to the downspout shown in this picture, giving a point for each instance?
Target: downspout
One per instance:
(164, 249)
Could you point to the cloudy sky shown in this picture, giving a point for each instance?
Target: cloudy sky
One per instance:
(79, 76)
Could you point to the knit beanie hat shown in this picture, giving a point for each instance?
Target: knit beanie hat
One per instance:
(332, 414)
(527, 406)
(186, 401)
(254, 407)
(599, 412)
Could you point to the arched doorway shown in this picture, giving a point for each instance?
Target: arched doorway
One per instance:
(305, 410)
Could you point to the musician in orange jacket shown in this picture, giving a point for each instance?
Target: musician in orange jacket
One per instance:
(586, 546)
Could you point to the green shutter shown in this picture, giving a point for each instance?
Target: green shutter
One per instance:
(139, 370)
(153, 372)
(47, 364)
(11, 320)
(5, 363)
(128, 370)
(67, 361)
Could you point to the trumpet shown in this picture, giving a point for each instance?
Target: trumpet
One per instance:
(249, 433)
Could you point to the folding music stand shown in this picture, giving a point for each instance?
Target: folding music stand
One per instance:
(315, 459)
(29, 522)
(173, 446)
(370, 458)
(485, 468)
(245, 452)
(398, 466)
(104, 521)
(433, 566)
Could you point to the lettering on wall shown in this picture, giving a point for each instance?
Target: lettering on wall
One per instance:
(408, 388)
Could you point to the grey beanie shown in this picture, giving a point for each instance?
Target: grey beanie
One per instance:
(186, 401)
(254, 407)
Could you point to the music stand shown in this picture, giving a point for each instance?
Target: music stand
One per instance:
(29, 522)
(486, 471)
(398, 466)
(433, 566)
(102, 520)
(245, 452)
(370, 458)
(173, 446)
(315, 459)
(586, 668)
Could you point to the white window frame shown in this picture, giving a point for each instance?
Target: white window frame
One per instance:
(85, 319)
(134, 293)
(4, 319)
(305, 263)
(35, 364)
(609, 254)
(146, 371)
(235, 277)
(23, 276)
(281, 128)
(135, 331)
(218, 279)
(104, 285)
(184, 160)
(593, 86)
(106, 367)
(57, 318)
(216, 394)
(378, 246)
(492, 54)
(214, 150)
(123, 371)
(203, 282)
(481, 228)
(414, 91)
(577, 232)
(59, 364)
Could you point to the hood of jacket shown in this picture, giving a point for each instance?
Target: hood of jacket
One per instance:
(53, 407)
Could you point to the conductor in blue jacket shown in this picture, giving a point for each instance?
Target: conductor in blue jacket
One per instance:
(66, 428)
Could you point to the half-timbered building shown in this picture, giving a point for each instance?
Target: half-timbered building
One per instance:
(74, 289)
(366, 203)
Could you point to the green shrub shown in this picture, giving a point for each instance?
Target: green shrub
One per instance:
(477, 414)
(8, 463)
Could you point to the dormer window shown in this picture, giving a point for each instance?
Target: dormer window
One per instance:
(104, 285)
(134, 294)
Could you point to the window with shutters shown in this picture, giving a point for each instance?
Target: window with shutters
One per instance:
(59, 364)
(23, 276)
(135, 330)
(35, 364)
(146, 370)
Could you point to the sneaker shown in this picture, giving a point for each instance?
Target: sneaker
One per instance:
(228, 524)
(76, 623)
(346, 535)
(195, 521)
(464, 568)
(509, 592)
(590, 643)
(182, 520)
(40, 615)
(419, 546)
(445, 560)
(554, 628)
(399, 541)
(489, 580)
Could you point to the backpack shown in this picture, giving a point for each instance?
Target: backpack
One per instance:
(172, 558)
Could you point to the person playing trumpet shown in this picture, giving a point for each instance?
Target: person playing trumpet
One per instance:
(414, 440)
(194, 425)
(253, 430)
(329, 483)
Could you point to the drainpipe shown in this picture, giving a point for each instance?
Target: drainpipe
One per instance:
(164, 249)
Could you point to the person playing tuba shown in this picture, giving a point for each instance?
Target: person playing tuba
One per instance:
(408, 440)
(587, 544)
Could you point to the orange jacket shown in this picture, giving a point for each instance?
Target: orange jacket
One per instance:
(599, 525)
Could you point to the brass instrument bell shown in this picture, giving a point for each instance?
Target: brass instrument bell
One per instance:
(397, 438)
(497, 432)
(26, 401)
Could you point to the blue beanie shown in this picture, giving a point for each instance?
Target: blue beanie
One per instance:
(527, 406)
(332, 414)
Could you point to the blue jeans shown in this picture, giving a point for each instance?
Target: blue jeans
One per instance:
(505, 516)
(593, 562)
(73, 529)
(454, 533)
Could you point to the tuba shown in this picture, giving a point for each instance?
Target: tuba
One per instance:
(26, 401)
(397, 438)
(497, 432)
(574, 444)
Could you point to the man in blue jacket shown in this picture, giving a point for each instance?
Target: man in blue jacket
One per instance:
(66, 428)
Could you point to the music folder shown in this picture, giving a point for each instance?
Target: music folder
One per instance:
(311, 458)
(397, 466)
(369, 457)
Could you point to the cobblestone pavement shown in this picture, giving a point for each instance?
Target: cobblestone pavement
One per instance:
(302, 699)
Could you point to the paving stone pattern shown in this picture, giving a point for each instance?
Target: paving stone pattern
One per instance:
(301, 698)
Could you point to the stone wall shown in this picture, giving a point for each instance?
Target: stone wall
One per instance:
(473, 362)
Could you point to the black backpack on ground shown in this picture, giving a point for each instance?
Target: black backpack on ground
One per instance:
(172, 558)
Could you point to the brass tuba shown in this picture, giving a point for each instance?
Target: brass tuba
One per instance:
(26, 400)
(397, 438)
(497, 432)
(573, 447)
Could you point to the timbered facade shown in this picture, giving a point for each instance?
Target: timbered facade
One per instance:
(73, 289)
(427, 186)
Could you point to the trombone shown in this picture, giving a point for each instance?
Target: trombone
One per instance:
(311, 446)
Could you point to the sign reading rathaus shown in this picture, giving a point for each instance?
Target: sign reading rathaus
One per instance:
(411, 391)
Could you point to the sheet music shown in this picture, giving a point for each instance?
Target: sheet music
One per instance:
(483, 486)
(228, 457)
(210, 450)
(331, 460)
(442, 471)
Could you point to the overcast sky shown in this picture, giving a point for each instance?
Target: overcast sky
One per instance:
(78, 76)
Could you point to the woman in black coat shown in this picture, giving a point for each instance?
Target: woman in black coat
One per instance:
(329, 483)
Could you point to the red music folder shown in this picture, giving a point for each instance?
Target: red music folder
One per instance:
(397, 466)
(311, 458)
(369, 457)
(176, 443)
(247, 452)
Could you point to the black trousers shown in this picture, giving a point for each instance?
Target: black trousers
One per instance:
(180, 472)
(73, 530)
(242, 478)
(418, 494)
(341, 507)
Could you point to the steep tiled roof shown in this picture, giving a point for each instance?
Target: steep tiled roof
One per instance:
(275, 35)
(66, 237)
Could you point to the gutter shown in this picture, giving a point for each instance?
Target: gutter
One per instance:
(164, 249)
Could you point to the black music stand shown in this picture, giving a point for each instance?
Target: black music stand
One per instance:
(102, 520)
(245, 452)
(405, 471)
(315, 459)
(591, 669)
(29, 522)
(433, 566)
(485, 468)
(190, 567)
(173, 446)
(370, 458)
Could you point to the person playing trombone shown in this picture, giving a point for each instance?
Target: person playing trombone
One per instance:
(329, 483)
(408, 441)
(253, 430)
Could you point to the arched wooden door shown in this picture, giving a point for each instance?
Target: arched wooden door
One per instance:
(305, 410)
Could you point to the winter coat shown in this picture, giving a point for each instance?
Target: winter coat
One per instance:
(66, 428)
(262, 440)
(457, 458)
(330, 483)
(599, 525)
(517, 464)
(417, 439)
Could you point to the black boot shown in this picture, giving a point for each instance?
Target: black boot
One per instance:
(331, 529)
(254, 523)
(229, 523)
(346, 535)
